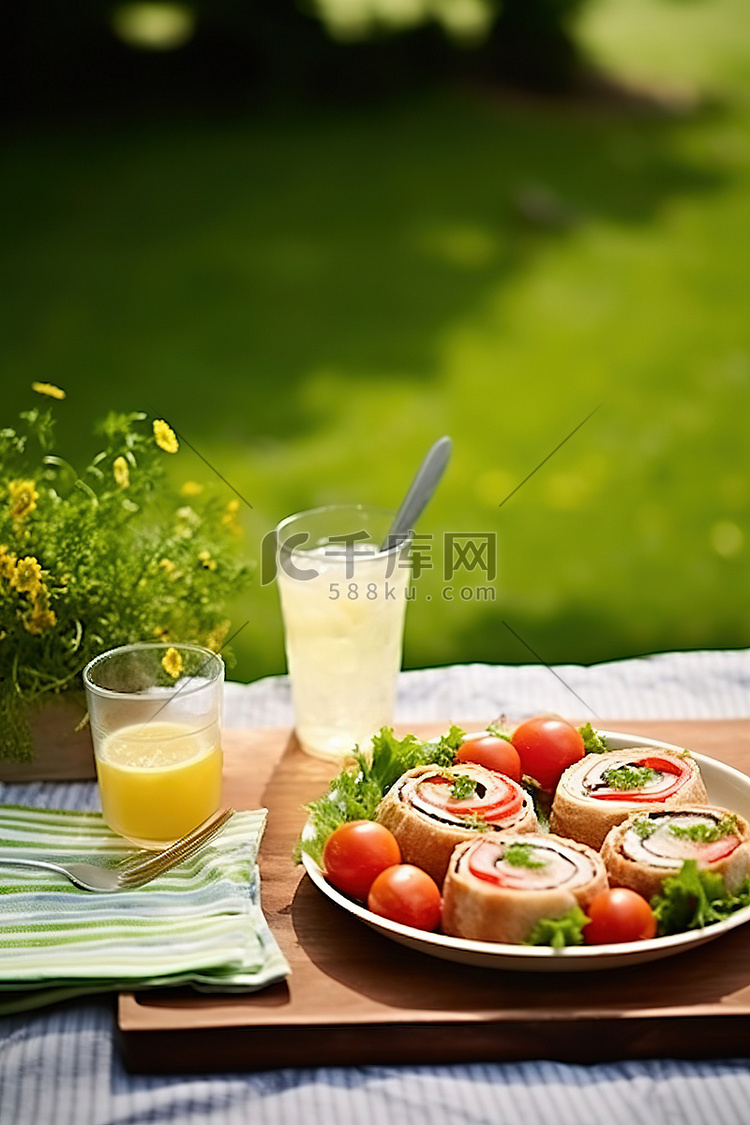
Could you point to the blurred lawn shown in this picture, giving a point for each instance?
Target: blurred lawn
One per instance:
(311, 298)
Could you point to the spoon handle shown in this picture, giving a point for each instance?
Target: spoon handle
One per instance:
(420, 490)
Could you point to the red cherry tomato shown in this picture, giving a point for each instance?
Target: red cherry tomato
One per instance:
(547, 745)
(408, 895)
(619, 915)
(355, 853)
(492, 752)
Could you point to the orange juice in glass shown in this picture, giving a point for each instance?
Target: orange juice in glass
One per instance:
(155, 713)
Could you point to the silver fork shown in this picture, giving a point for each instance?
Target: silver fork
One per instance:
(134, 871)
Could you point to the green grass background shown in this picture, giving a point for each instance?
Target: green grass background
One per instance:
(312, 297)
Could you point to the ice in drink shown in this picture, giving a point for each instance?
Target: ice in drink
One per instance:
(343, 625)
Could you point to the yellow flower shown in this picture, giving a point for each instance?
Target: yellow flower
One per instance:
(7, 564)
(23, 498)
(48, 389)
(161, 632)
(204, 557)
(167, 565)
(121, 472)
(171, 662)
(191, 488)
(165, 437)
(28, 576)
(229, 518)
(40, 620)
(217, 636)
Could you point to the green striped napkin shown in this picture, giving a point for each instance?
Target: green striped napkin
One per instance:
(200, 923)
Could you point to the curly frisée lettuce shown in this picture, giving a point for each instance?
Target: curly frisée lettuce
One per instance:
(693, 899)
(559, 932)
(356, 792)
(593, 741)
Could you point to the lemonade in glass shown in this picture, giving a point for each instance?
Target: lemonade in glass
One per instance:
(155, 713)
(343, 593)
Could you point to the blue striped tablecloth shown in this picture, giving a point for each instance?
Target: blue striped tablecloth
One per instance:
(62, 1065)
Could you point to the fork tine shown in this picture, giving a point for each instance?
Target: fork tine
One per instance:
(136, 877)
(144, 858)
(182, 847)
(157, 863)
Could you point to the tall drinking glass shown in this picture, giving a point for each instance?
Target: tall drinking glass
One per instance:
(155, 714)
(343, 600)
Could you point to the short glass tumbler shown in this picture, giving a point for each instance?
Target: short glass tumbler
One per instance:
(155, 714)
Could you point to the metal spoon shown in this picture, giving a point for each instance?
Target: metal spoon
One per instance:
(419, 492)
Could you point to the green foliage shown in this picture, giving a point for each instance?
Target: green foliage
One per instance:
(353, 795)
(463, 787)
(644, 827)
(693, 899)
(593, 742)
(523, 855)
(99, 558)
(626, 778)
(357, 791)
(493, 728)
(700, 833)
(239, 306)
(533, 44)
(476, 821)
(559, 932)
(296, 51)
(706, 833)
(392, 757)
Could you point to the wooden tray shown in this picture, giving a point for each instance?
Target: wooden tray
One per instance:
(355, 997)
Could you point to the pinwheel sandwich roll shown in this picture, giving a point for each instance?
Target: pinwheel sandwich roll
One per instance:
(430, 810)
(601, 790)
(649, 846)
(498, 889)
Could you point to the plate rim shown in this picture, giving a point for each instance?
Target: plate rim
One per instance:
(506, 955)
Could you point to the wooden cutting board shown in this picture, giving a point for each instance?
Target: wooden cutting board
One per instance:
(355, 997)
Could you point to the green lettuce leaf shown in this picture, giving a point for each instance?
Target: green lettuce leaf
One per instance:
(693, 899)
(593, 742)
(559, 932)
(356, 792)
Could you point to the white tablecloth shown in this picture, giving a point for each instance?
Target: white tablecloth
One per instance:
(62, 1065)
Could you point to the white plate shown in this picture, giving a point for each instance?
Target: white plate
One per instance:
(726, 787)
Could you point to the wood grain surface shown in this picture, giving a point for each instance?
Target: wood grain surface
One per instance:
(355, 997)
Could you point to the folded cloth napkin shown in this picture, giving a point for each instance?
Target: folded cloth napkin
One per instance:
(200, 923)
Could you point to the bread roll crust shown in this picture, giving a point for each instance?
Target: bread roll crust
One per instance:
(629, 863)
(578, 815)
(481, 911)
(428, 842)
